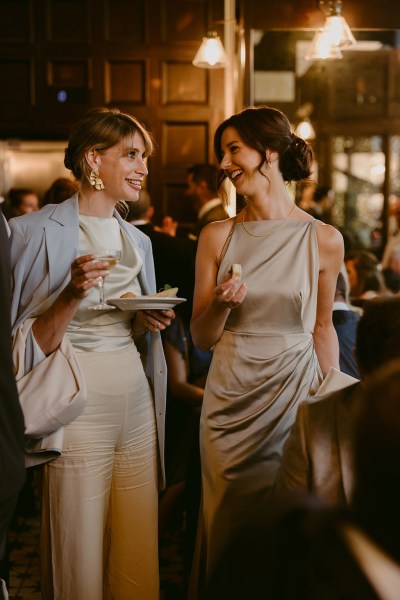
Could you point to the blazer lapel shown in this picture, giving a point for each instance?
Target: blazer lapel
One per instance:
(62, 240)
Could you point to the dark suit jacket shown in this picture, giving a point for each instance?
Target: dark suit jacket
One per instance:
(173, 260)
(317, 456)
(345, 323)
(12, 461)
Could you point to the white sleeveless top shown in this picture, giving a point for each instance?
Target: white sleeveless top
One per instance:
(102, 331)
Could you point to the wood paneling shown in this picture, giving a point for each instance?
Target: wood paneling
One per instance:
(184, 83)
(67, 21)
(125, 82)
(19, 91)
(60, 57)
(16, 18)
(125, 21)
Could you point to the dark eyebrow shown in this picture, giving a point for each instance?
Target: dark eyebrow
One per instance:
(233, 142)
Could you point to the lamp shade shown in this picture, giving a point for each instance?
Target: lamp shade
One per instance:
(211, 54)
(339, 32)
(322, 47)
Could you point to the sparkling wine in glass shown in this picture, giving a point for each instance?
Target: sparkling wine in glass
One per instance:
(112, 257)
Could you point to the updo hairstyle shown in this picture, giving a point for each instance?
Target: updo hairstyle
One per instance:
(262, 128)
(100, 129)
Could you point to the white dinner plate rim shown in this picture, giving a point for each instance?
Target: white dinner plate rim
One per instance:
(145, 302)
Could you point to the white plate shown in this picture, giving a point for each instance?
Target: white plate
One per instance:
(145, 302)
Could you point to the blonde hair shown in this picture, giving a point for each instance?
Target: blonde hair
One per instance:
(101, 128)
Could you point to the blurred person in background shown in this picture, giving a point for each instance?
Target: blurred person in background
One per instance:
(61, 189)
(202, 189)
(321, 204)
(365, 278)
(21, 201)
(173, 256)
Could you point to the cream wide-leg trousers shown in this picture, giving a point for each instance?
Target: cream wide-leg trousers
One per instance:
(99, 522)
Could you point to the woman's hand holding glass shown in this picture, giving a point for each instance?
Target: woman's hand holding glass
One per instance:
(85, 273)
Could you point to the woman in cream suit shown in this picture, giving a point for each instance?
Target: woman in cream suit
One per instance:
(99, 522)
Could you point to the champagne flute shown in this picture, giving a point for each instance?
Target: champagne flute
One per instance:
(112, 257)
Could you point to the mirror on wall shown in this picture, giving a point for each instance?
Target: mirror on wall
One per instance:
(353, 107)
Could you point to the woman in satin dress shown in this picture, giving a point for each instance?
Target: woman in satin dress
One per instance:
(271, 331)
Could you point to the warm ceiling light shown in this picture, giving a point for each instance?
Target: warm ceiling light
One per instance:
(322, 48)
(336, 25)
(339, 32)
(305, 129)
(211, 54)
(334, 37)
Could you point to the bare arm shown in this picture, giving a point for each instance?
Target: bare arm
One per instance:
(212, 304)
(177, 377)
(331, 251)
(49, 328)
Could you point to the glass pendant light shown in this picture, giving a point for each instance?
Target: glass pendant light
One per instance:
(211, 54)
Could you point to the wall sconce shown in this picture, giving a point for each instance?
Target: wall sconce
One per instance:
(335, 36)
(211, 54)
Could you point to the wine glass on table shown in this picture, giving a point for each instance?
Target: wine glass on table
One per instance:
(112, 257)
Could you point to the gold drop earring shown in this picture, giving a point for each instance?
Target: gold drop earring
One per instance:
(95, 179)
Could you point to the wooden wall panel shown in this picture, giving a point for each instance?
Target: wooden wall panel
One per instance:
(16, 18)
(125, 21)
(60, 57)
(69, 74)
(184, 144)
(184, 21)
(19, 91)
(184, 83)
(125, 82)
(67, 21)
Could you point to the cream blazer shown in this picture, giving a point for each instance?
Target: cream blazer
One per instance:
(43, 246)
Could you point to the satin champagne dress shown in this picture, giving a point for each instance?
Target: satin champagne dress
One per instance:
(263, 365)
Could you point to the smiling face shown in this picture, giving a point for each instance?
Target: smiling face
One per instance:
(241, 163)
(122, 168)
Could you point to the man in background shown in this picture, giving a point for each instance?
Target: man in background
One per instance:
(173, 256)
(12, 462)
(322, 204)
(201, 188)
(345, 321)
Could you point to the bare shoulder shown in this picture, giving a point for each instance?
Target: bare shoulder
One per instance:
(214, 234)
(329, 237)
(330, 246)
